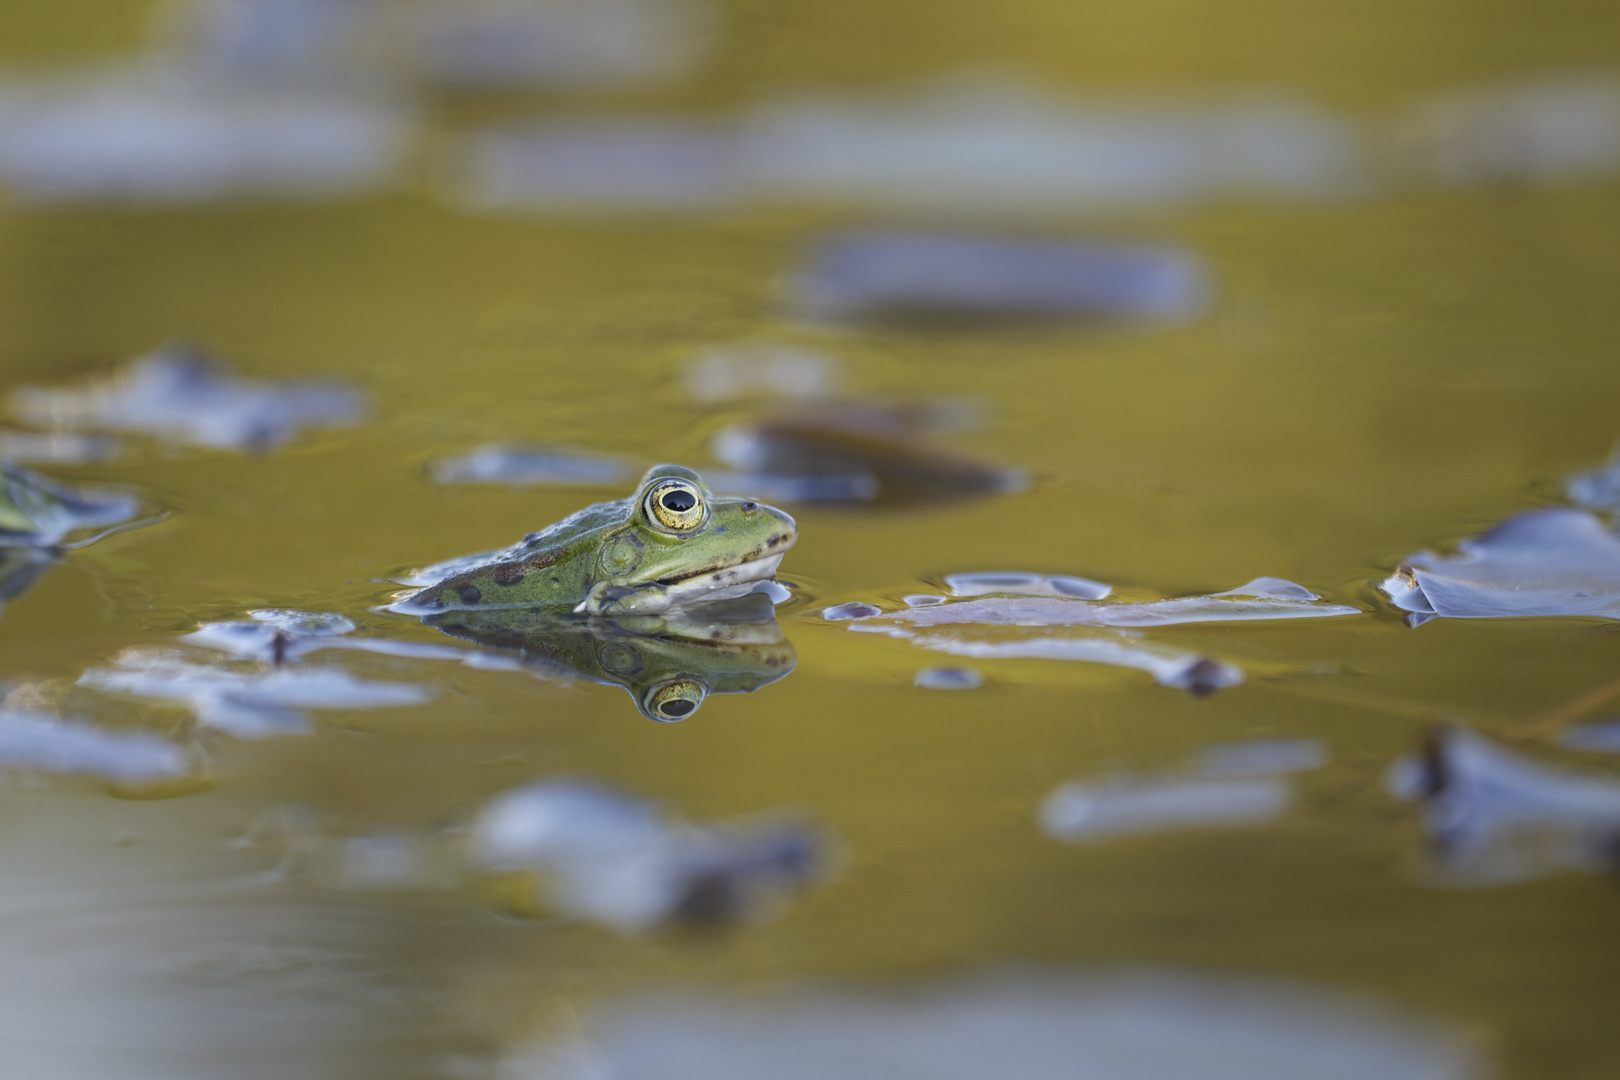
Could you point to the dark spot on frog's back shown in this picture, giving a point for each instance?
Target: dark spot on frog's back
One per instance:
(470, 594)
(509, 573)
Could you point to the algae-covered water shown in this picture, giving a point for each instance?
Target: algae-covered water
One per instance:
(1403, 225)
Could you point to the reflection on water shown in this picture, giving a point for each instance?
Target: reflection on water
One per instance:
(668, 663)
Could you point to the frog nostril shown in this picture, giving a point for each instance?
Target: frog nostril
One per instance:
(750, 506)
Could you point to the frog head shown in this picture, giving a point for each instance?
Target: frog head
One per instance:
(681, 542)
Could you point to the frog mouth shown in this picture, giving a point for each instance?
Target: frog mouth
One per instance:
(732, 577)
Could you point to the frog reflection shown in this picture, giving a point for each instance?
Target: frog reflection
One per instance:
(669, 663)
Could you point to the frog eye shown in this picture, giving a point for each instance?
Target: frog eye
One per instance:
(676, 505)
(675, 700)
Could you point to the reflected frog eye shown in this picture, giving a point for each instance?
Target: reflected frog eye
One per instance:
(676, 505)
(675, 700)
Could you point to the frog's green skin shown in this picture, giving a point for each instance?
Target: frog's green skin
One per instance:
(669, 664)
(614, 558)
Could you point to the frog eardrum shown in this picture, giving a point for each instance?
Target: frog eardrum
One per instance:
(677, 506)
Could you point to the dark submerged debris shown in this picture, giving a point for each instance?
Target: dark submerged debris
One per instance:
(180, 394)
(851, 454)
(1495, 816)
(613, 859)
(1545, 562)
(938, 277)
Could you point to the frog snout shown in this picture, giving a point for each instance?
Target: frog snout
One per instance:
(787, 529)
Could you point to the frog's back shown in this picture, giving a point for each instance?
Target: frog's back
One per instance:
(563, 536)
(554, 550)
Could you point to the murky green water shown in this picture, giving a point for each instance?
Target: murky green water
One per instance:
(1378, 374)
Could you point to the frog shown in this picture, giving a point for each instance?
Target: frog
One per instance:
(669, 663)
(671, 543)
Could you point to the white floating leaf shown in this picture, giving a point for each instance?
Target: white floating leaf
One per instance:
(248, 702)
(1497, 816)
(1013, 1026)
(1021, 584)
(1106, 808)
(1264, 598)
(617, 860)
(507, 463)
(176, 393)
(1546, 562)
(35, 741)
(1175, 668)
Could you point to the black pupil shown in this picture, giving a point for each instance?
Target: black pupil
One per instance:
(678, 501)
(676, 708)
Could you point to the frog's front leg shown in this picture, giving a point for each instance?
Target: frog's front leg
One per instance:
(606, 598)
